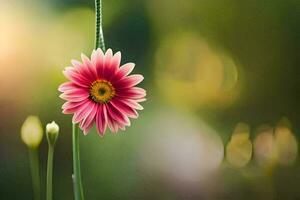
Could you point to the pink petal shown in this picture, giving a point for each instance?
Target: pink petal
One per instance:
(73, 98)
(85, 69)
(75, 95)
(67, 86)
(133, 104)
(112, 67)
(83, 111)
(124, 108)
(123, 71)
(87, 123)
(108, 57)
(87, 129)
(127, 68)
(82, 69)
(107, 70)
(77, 65)
(120, 126)
(69, 104)
(98, 53)
(101, 119)
(72, 107)
(77, 92)
(140, 100)
(89, 68)
(110, 121)
(98, 60)
(117, 115)
(76, 78)
(116, 60)
(132, 93)
(115, 127)
(92, 55)
(129, 81)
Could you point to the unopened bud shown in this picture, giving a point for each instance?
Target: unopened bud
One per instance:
(52, 130)
(32, 132)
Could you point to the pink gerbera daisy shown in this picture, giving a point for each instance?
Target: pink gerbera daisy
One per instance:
(100, 91)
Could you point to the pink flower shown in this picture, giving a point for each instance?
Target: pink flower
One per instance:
(100, 91)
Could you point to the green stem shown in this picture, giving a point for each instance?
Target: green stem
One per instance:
(49, 195)
(99, 42)
(78, 191)
(35, 172)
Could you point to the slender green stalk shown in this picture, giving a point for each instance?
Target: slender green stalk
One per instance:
(49, 195)
(78, 191)
(52, 131)
(35, 172)
(99, 42)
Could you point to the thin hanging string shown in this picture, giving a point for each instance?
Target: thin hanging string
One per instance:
(99, 42)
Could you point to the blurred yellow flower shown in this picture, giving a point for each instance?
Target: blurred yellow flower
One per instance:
(277, 146)
(286, 144)
(239, 148)
(264, 148)
(32, 132)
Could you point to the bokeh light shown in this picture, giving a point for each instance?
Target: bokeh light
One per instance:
(188, 66)
(286, 144)
(73, 30)
(239, 148)
(275, 146)
(182, 149)
(264, 152)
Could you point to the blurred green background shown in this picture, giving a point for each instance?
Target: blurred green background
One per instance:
(208, 65)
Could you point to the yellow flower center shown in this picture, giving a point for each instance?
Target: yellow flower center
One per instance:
(101, 91)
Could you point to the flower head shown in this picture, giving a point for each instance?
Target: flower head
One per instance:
(32, 132)
(101, 91)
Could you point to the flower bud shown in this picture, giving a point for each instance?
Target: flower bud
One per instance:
(32, 132)
(52, 130)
